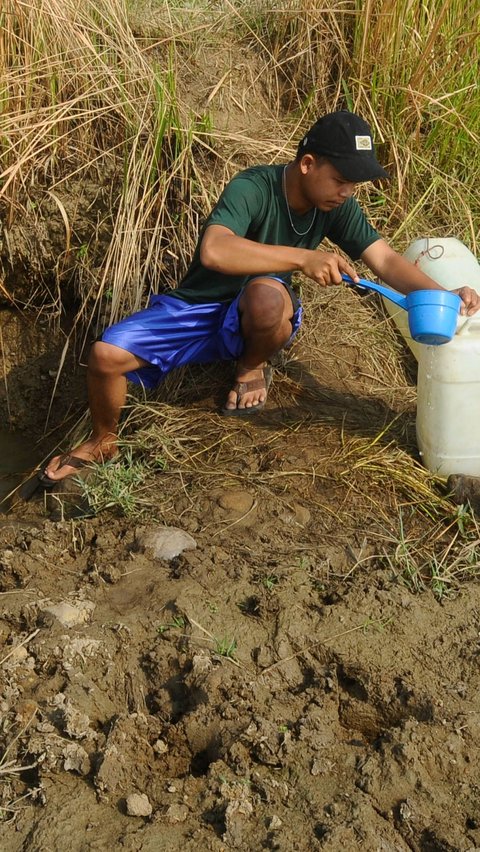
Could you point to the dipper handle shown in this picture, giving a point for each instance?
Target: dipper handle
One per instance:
(392, 295)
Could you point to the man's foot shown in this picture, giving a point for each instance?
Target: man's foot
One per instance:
(68, 464)
(249, 394)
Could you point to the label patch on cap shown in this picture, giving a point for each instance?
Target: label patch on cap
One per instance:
(363, 143)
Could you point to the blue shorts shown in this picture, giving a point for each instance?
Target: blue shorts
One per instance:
(171, 333)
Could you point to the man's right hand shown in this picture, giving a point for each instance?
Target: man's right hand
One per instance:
(326, 268)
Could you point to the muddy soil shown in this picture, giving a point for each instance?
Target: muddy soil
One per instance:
(275, 685)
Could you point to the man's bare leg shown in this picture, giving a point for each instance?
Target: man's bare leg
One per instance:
(107, 390)
(266, 312)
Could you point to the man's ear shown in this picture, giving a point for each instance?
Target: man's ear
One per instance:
(307, 162)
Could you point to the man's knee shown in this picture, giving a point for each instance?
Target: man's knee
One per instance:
(108, 360)
(265, 303)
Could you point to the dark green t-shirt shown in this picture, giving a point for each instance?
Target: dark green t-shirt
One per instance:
(253, 205)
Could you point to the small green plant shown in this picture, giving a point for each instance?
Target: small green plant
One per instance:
(118, 484)
(439, 581)
(405, 560)
(463, 516)
(225, 647)
(439, 558)
(178, 622)
(378, 624)
(270, 581)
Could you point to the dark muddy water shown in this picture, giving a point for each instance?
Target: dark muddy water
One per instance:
(17, 456)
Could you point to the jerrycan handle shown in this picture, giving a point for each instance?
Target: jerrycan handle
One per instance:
(392, 295)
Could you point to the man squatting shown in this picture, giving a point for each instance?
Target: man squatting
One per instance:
(235, 301)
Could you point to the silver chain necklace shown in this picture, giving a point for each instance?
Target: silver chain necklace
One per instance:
(299, 233)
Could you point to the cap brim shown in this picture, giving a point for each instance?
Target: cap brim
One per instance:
(359, 169)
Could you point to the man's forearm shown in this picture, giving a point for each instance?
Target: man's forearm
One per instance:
(396, 270)
(406, 277)
(224, 252)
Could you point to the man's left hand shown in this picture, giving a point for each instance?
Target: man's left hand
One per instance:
(470, 299)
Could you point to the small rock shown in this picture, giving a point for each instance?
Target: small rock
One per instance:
(236, 501)
(160, 747)
(76, 759)
(138, 805)
(79, 646)
(264, 656)
(17, 656)
(237, 814)
(165, 542)
(176, 813)
(295, 514)
(110, 573)
(69, 615)
(45, 727)
(201, 667)
(405, 811)
(274, 823)
(321, 766)
(465, 489)
(74, 723)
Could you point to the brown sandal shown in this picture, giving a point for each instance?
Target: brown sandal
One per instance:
(241, 388)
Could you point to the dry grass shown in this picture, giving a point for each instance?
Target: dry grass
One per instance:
(355, 428)
(338, 436)
(111, 92)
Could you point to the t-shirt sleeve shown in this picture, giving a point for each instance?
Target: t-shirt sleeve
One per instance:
(240, 206)
(351, 230)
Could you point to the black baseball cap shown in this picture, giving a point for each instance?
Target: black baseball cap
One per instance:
(346, 141)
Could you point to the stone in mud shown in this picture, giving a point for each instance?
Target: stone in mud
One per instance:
(236, 501)
(165, 542)
(112, 767)
(238, 812)
(176, 813)
(70, 615)
(295, 515)
(263, 656)
(76, 759)
(160, 747)
(17, 656)
(73, 722)
(465, 489)
(138, 805)
(78, 648)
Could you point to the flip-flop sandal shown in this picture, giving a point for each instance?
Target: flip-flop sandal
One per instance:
(41, 481)
(241, 388)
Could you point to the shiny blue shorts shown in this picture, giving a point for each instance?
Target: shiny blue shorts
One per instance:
(170, 333)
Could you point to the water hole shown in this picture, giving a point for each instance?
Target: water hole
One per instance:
(18, 455)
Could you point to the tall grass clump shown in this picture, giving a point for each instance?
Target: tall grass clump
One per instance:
(411, 70)
(81, 98)
(414, 74)
(296, 40)
(109, 92)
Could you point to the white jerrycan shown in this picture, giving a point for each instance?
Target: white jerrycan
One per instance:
(448, 384)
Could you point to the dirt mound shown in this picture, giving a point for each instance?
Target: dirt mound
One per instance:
(272, 681)
(252, 691)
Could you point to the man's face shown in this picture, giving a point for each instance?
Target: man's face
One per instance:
(322, 184)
